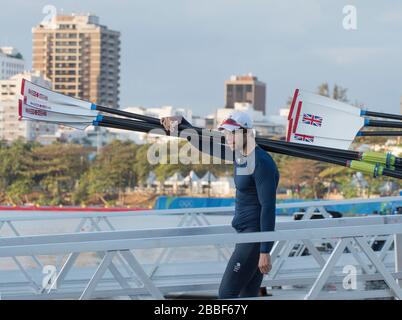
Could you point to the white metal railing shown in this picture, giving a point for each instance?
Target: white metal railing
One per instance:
(189, 216)
(98, 221)
(115, 251)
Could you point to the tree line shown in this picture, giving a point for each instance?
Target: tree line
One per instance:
(72, 174)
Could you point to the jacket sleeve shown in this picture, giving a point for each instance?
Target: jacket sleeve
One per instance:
(266, 180)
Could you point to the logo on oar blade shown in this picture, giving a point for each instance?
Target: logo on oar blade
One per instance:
(37, 94)
(36, 112)
(312, 119)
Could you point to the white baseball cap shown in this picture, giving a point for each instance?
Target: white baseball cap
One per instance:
(236, 120)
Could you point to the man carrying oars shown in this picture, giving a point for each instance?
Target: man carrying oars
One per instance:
(256, 179)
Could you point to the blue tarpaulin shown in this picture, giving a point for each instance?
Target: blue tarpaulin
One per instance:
(169, 202)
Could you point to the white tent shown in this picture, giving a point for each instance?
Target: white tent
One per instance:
(191, 177)
(207, 178)
(223, 186)
(193, 182)
(175, 179)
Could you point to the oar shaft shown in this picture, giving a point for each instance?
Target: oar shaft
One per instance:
(273, 148)
(381, 115)
(379, 133)
(128, 114)
(270, 145)
(137, 116)
(392, 173)
(348, 154)
(373, 169)
(382, 123)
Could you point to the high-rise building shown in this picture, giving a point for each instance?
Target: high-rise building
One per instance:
(11, 128)
(11, 62)
(80, 56)
(245, 89)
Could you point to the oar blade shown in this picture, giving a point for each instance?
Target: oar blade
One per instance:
(59, 108)
(28, 112)
(313, 119)
(41, 95)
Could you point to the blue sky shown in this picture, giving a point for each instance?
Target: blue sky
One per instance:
(179, 52)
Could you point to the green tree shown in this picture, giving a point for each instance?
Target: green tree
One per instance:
(338, 93)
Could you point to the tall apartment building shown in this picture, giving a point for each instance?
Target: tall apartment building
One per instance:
(10, 127)
(246, 89)
(80, 56)
(11, 62)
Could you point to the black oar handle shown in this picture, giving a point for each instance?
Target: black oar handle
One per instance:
(152, 123)
(392, 173)
(137, 116)
(281, 149)
(340, 153)
(379, 133)
(382, 123)
(381, 115)
(268, 147)
(398, 162)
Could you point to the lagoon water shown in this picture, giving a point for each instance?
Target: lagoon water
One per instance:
(185, 254)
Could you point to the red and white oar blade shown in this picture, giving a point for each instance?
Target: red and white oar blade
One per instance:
(28, 112)
(40, 94)
(326, 102)
(319, 141)
(59, 108)
(315, 120)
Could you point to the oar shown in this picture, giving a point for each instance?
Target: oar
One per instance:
(34, 113)
(379, 133)
(302, 95)
(47, 98)
(386, 159)
(373, 169)
(321, 121)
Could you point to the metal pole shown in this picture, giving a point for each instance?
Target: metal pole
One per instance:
(398, 255)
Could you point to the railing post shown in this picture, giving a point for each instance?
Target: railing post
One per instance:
(398, 255)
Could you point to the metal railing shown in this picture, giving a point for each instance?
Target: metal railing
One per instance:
(117, 271)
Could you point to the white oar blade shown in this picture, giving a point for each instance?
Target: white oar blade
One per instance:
(59, 108)
(43, 95)
(29, 112)
(326, 102)
(315, 120)
(320, 141)
(79, 126)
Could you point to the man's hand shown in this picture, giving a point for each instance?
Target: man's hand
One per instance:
(265, 264)
(171, 123)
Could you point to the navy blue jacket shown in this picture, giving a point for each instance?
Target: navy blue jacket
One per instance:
(256, 194)
(255, 202)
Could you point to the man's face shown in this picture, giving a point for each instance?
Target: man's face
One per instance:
(234, 139)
